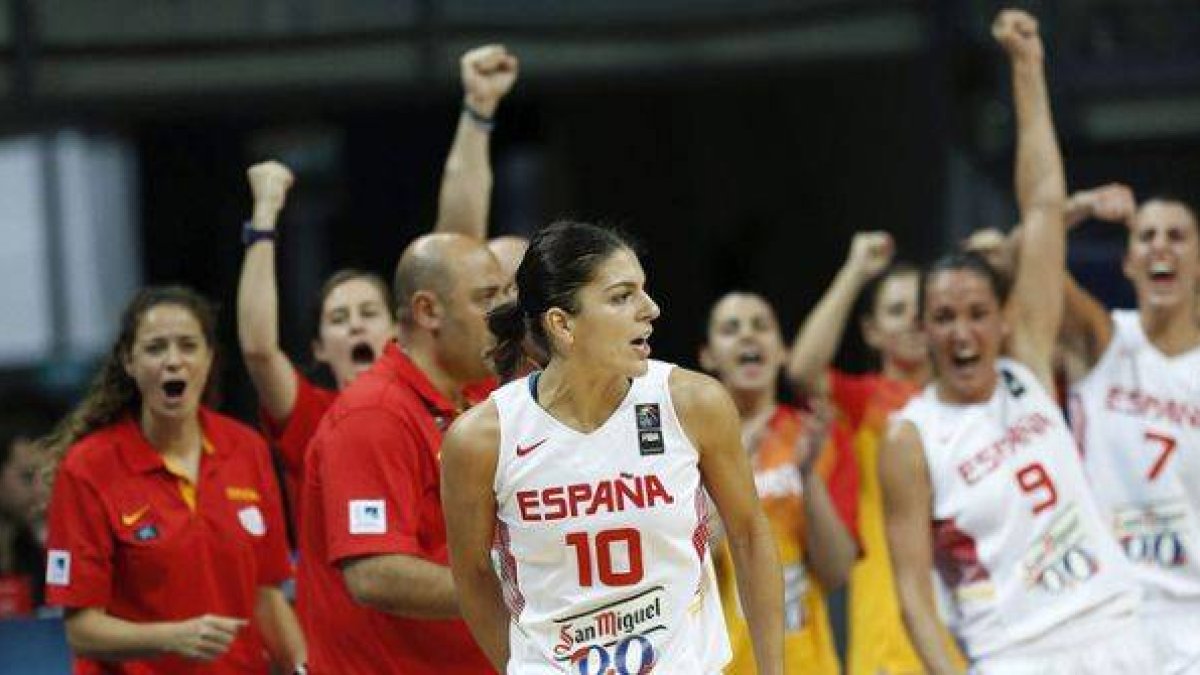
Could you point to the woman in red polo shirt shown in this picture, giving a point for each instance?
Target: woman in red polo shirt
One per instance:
(166, 536)
(354, 324)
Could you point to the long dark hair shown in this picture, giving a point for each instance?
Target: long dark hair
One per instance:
(561, 258)
(112, 393)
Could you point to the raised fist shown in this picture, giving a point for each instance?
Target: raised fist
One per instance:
(488, 73)
(1017, 32)
(269, 183)
(1112, 203)
(871, 252)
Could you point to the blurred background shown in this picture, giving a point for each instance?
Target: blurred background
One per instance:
(742, 141)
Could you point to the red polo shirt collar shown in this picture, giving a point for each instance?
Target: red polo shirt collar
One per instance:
(140, 456)
(398, 366)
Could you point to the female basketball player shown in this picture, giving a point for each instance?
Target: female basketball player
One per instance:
(1136, 414)
(806, 477)
(981, 479)
(878, 641)
(590, 478)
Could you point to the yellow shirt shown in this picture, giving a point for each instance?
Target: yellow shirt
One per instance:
(878, 641)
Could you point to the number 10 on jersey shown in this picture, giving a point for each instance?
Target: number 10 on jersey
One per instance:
(595, 556)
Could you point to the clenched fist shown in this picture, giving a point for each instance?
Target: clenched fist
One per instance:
(1017, 32)
(269, 184)
(871, 252)
(488, 74)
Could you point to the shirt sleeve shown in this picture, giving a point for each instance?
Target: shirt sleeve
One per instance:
(850, 394)
(841, 476)
(271, 551)
(79, 545)
(373, 478)
(291, 436)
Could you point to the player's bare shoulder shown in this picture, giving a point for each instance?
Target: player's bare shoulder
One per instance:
(474, 435)
(702, 405)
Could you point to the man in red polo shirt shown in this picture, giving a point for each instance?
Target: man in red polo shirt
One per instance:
(374, 569)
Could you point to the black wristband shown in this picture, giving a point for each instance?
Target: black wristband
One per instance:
(479, 119)
(252, 235)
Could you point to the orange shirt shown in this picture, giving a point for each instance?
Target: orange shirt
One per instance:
(129, 534)
(808, 639)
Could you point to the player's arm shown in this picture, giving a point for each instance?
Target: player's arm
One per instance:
(270, 370)
(280, 629)
(488, 74)
(469, 456)
(817, 342)
(711, 421)
(1086, 321)
(93, 633)
(1041, 198)
(830, 548)
(907, 501)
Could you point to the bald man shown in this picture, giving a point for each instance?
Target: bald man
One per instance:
(374, 577)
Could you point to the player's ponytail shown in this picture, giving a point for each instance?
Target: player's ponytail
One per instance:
(509, 325)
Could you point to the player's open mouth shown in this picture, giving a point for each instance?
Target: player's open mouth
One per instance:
(965, 359)
(642, 345)
(173, 389)
(362, 354)
(1162, 272)
(751, 357)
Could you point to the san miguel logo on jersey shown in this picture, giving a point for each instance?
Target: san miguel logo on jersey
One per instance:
(1154, 535)
(649, 429)
(1060, 559)
(613, 638)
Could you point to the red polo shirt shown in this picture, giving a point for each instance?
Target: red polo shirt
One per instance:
(372, 488)
(130, 535)
(290, 438)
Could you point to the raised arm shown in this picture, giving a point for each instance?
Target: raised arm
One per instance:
(488, 73)
(1087, 327)
(907, 501)
(1041, 190)
(711, 421)
(469, 457)
(817, 342)
(271, 371)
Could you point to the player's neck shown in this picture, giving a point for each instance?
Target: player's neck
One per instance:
(914, 373)
(580, 397)
(177, 438)
(753, 403)
(1172, 331)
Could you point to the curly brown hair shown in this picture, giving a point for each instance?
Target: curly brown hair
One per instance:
(112, 392)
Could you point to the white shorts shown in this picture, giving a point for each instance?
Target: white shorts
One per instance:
(1175, 637)
(1116, 648)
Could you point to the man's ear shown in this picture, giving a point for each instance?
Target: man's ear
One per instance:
(426, 310)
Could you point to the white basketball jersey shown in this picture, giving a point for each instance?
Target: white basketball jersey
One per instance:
(602, 540)
(1018, 540)
(1137, 418)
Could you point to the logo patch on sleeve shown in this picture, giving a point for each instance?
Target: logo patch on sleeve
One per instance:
(58, 568)
(252, 519)
(368, 516)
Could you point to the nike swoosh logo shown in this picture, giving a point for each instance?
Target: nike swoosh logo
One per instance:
(128, 519)
(522, 451)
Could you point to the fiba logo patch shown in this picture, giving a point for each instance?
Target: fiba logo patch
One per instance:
(649, 428)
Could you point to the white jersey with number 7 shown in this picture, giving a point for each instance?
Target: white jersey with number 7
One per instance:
(602, 539)
(1018, 539)
(1137, 418)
